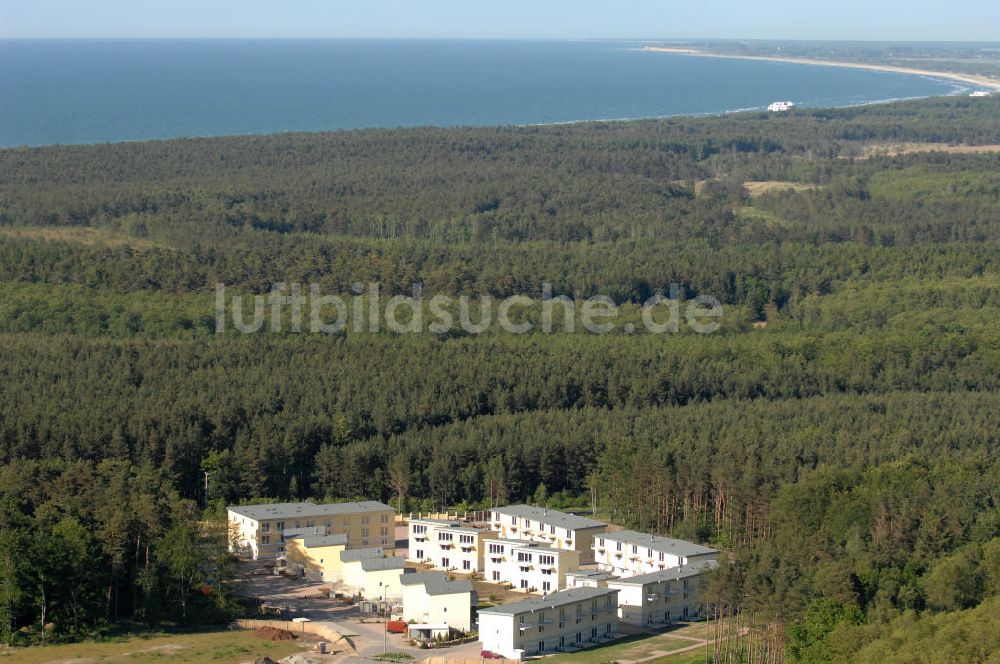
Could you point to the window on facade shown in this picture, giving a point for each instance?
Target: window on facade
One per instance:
(546, 586)
(546, 560)
(466, 564)
(524, 583)
(265, 527)
(266, 539)
(280, 526)
(384, 518)
(618, 545)
(661, 556)
(496, 575)
(552, 530)
(466, 539)
(364, 532)
(496, 548)
(523, 557)
(420, 554)
(419, 529)
(445, 562)
(444, 537)
(635, 549)
(364, 519)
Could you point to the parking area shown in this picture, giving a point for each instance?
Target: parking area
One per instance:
(294, 598)
(298, 598)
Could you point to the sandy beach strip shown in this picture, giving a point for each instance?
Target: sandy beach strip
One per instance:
(969, 79)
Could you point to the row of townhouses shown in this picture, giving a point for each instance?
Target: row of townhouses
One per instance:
(563, 621)
(528, 566)
(628, 553)
(556, 529)
(447, 545)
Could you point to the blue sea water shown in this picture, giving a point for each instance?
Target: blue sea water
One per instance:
(114, 90)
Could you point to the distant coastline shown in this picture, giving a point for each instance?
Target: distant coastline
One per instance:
(968, 79)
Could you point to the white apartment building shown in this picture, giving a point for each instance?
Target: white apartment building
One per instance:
(430, 598)
(446, 545)
(258, 531)
(556, 529)
(528, 566)
(563, 621)
(663, 597)
(628, 553)
(374, 578)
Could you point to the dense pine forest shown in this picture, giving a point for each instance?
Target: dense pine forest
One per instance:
(838, 437)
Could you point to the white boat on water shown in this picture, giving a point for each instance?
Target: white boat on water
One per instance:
(981, 93)
(781, 106)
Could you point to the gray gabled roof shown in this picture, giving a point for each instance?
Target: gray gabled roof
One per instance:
(420, 577)
(447, 587)
(657, 543)
(292, 510)
(669, 574)
(550, 517)
(380, 564)
(553, 601)
(436, 583)
(351, 555)
(310, 541)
